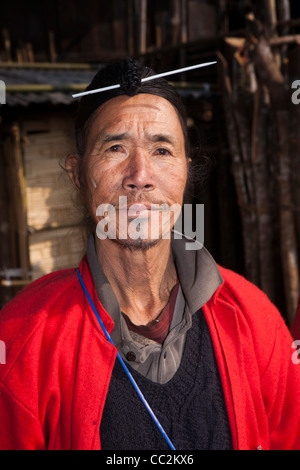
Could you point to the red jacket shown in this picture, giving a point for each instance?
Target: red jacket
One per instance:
(58, 366)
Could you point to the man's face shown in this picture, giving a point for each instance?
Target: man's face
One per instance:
(136, 150)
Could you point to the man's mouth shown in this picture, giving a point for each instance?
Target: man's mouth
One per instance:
(139, 209)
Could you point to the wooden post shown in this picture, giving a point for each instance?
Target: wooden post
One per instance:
(29, 50)
(270, 15)
(183, 34)
(13, 153)
(284, 14)
(184, 31)
(294, 74)
(223, 17)
(287, 223)
(143, 26)
(6, 293)
(263, 195)
(52, 49)
(130, 29)
(7, 44)
(175, 22)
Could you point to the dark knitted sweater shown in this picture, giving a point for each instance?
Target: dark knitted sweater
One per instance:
(190, 407)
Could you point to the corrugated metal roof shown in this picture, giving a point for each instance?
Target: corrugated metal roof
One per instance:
(25, 86)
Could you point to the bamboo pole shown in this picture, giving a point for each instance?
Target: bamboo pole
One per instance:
(143, 26)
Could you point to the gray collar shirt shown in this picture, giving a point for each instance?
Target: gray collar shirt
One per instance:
(199, 277)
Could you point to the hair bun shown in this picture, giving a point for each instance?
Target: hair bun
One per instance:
(130, 79)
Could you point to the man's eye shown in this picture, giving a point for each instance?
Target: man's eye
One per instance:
(115, 148)
(163, 151)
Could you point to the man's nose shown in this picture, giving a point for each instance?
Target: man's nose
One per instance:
(139, 173)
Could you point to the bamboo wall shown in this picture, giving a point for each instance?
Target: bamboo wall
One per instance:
(54, 232)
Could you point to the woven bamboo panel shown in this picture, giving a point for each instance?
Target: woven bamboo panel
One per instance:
(49, 193)
(55, 239)
(51, 202)
(54, 249)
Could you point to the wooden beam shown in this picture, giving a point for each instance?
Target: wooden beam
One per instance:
(15, 282)
(48, 65)
(42, 88)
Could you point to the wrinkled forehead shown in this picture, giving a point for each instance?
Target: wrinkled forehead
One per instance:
(141, 105)
(141, 109)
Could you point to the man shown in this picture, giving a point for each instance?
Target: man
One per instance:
(206, 349)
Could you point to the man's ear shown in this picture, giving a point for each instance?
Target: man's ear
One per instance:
(72, 167)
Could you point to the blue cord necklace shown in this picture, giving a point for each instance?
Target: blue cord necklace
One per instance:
(136, 387)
